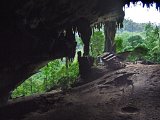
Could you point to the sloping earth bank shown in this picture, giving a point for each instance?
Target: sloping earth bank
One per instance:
(132, 93)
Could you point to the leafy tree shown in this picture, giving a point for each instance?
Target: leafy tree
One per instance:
(145, 44)
(135, 40)
(153, 42)
(128, 48)
(140, 51)
(97, 43)
(119, 44)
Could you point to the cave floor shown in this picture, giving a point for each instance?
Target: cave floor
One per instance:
(132, 93)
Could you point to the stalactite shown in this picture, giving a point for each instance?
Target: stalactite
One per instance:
(110, 31)
(144, 3)
(92, 30)
(71, 43)
(85, 32)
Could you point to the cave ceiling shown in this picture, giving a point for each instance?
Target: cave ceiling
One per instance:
(32, 26)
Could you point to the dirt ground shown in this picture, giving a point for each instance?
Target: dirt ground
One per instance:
(132, 93)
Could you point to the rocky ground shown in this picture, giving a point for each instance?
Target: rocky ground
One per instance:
(132, 93)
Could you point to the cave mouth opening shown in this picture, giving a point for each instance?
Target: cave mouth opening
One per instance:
(139, 41)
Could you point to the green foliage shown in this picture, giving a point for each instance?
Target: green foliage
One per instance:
(135, 40)
(97, 43)
(119, 44)
(54, 74)
(151, 37)
(131, 26)
(140, 51)
(145, 45)
(125, 35)
(153, 42)
(66, 77)
(128, 48)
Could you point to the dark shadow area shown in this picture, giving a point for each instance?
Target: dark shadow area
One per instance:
(129, 109)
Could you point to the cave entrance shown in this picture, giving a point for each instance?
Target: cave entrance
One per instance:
(136, 41)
